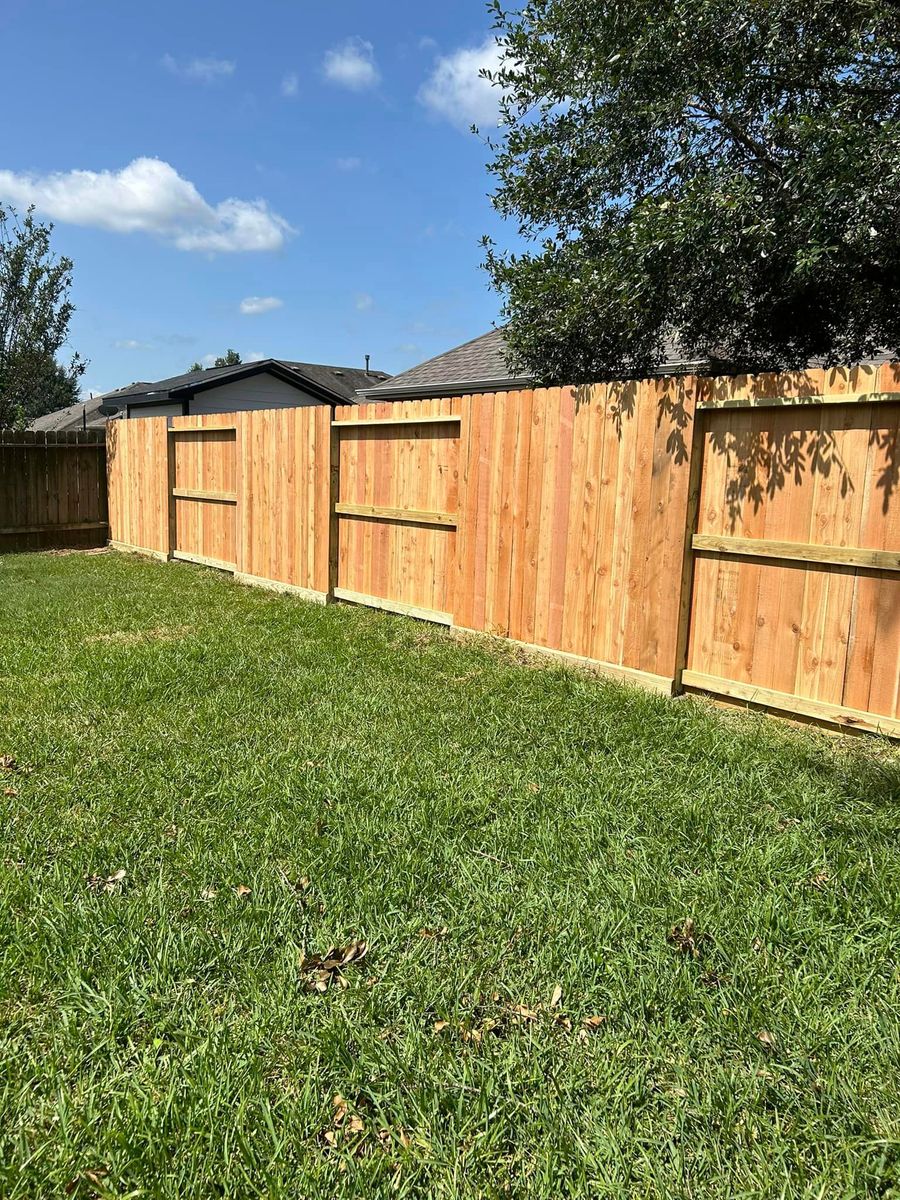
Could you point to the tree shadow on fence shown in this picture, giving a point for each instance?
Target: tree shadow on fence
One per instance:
(764, 451)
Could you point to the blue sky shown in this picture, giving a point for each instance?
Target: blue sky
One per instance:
(289, 178)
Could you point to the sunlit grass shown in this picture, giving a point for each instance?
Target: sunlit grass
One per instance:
(494, 832)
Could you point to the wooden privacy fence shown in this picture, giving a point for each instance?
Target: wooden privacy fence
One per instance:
(739, 536)
(52, 489)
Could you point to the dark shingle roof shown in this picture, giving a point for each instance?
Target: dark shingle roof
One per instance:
(346, 380)
(86, 415)
(479, 365)
(341, 383)
(162, 387)
(481, 361)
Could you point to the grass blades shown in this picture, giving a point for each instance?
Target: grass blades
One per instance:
(278, 780)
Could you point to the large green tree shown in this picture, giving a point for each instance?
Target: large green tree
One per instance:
(35, 311)
(727, 171)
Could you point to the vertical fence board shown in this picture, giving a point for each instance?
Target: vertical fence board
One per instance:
(560, 518)
(52, 490)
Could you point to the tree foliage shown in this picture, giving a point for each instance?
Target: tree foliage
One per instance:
(230, 358)
(727, 171)
(35, 311)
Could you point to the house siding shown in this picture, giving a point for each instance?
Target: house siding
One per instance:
(174, 409)
(260, 391)
(243, 395)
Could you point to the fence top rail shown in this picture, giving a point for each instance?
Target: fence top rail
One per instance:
(799, 401)
(41, 438)
(443, 419)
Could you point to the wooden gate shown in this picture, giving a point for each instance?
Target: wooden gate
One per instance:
(796, 599)
(395, 480)
(203, 494)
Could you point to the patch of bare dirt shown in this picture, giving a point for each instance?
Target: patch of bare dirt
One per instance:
(132, 637)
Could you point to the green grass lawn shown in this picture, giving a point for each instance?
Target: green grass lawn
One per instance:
(496, 833)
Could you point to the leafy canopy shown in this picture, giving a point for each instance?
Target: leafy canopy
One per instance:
(230, 358)
(35, 311)
(727, 171)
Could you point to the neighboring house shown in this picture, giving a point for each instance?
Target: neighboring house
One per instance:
(476, 366)
(87, 415)
(272, 383)
(480, 366)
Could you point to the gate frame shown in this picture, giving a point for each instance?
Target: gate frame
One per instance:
(340, 509)
(731, 691)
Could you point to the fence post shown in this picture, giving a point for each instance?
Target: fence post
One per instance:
(334, 488)
(170, 484)
(695, 472)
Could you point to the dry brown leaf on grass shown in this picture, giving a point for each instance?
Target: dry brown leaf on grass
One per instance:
(322, 970)
(343, 1118)
(8, 763)
(590, 1025)
(10, 791)
(685, 938)
(242, 891)
(434, 933)
(523, 1013)
(712, 979)
(767, 1039)
(820, 880)
(94, 1177)
(516, 1016)
(209, 893)
(349, 1131)
(106, 883)
(390, 1137)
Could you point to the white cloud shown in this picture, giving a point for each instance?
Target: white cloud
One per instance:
(290, 85)
(352, 64)
(200, 70)
(351, 163)
(131, 344)
(149, 196)
(456, 91)
(363, 301)
(252, 306)
(255, 356)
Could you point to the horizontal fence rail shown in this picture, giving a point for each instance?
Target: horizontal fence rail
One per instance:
(53, 490)
(738, 536)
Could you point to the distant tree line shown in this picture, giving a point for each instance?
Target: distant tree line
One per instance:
(230, 358)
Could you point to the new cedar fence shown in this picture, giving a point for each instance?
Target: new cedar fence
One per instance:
(52, 490)
(738, 536)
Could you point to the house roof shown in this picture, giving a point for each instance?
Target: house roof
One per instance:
(481, 361)
(85, 415)
(336, 385)
(479, 365)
